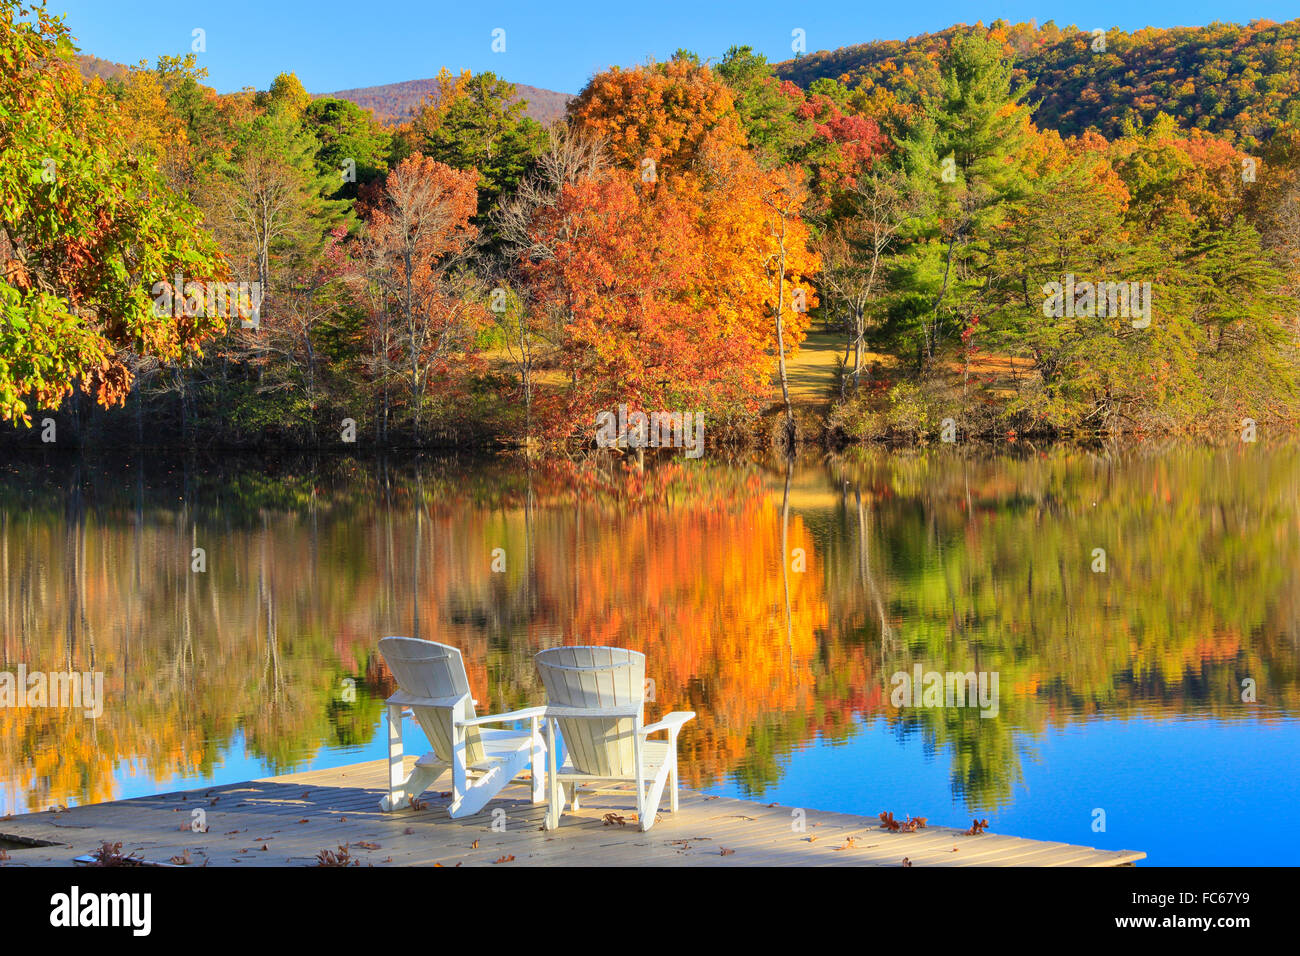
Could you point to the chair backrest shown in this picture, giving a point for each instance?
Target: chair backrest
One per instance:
(429, 669)
(596, 677)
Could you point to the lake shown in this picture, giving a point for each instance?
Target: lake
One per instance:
(1138, 607)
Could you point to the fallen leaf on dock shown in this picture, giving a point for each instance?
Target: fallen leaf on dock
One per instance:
(909, 825)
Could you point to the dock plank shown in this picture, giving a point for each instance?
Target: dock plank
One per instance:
(296, 816)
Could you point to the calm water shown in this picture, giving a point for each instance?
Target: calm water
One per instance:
(777, 605)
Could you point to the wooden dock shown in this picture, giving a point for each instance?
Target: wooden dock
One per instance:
(288, 820)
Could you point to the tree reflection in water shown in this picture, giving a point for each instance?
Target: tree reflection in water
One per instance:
(958, 561)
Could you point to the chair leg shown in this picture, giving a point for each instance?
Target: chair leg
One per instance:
(420, 779)
(537, 765)
(651, 806)
(397, 796)
(553, 788)
(672, 783)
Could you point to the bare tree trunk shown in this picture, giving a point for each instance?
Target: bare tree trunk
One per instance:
(780, 344)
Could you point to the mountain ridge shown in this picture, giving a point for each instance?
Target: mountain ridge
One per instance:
(390, 102)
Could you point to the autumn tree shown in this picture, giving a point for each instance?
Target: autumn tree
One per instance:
(534, 314)
(86, 230)
(287, 93)
(788, 263)
(855, 249)
(268, 200)
(769, 110)
(477, 122)
(414, 248)
(678, 295)
(1274, 207)
(662, 112)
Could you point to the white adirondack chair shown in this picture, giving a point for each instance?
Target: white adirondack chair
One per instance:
(431, 681)
(597, 696)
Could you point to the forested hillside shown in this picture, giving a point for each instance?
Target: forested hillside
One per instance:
(394, 102)
(1224, 78)
(266, 267)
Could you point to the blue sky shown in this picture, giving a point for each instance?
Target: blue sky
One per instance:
(339, 44)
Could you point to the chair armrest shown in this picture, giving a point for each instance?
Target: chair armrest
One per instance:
(592, 713)
(671, 722)
(503, 718)
(403, 699)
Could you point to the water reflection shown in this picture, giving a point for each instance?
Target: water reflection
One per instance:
(775, 602)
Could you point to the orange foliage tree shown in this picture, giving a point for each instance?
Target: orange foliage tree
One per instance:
(410, 264)
(663, 112)
(674, 292)
(627, 269)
